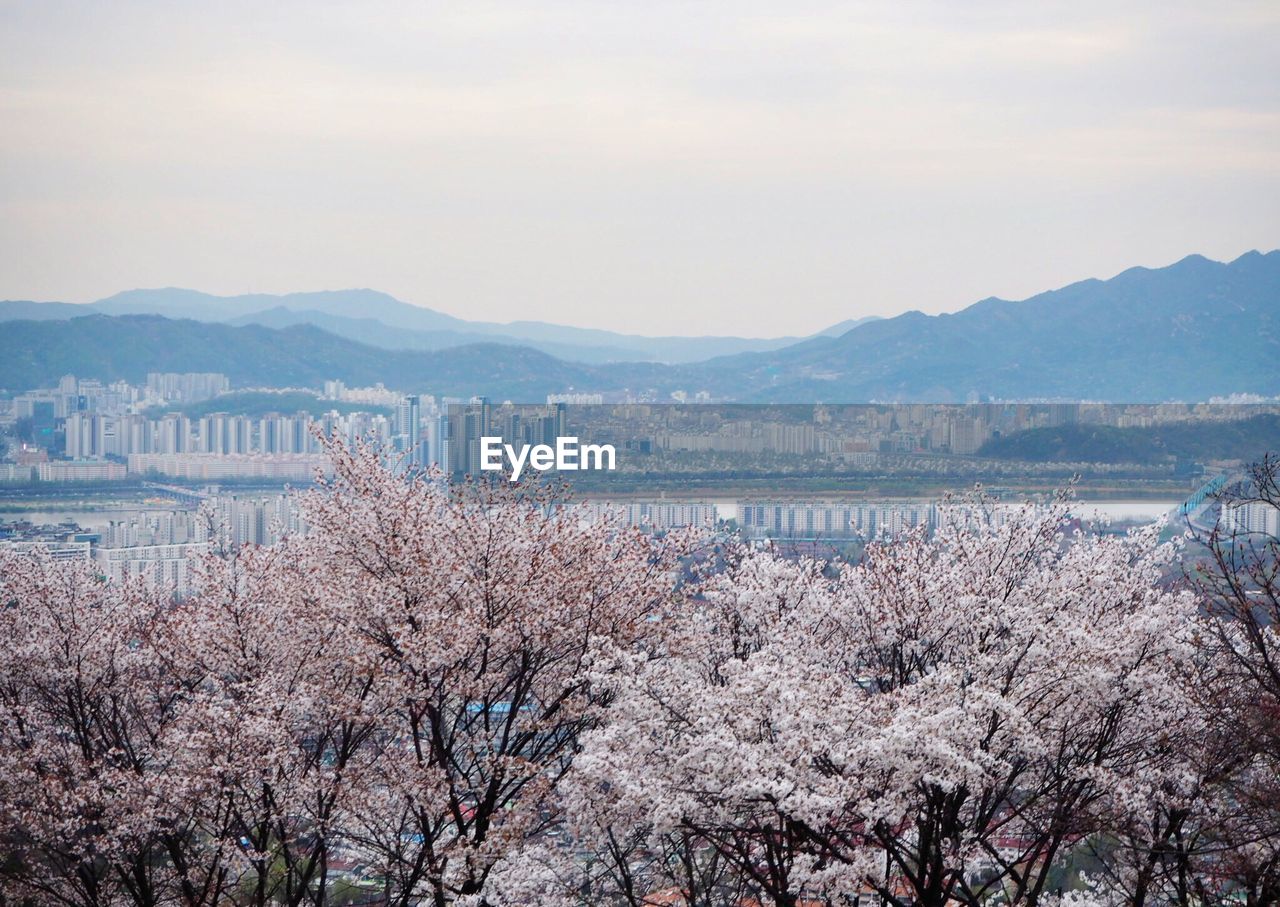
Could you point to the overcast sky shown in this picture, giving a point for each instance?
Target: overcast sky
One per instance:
(729, 167)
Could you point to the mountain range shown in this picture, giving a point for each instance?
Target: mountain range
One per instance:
(376, 319)
(1189, 331)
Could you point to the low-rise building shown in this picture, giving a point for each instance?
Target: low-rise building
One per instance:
(58, 550)
(164, 566)
(212, 467)
(80, 471)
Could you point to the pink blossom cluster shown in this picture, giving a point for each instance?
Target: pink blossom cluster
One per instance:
(475, 695)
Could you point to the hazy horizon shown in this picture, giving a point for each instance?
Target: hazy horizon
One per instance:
(745, 169)
(445, 311)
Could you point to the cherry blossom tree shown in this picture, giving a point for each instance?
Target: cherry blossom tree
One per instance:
(93, 808)
(1238, 579)
(938, 723)
(476, 695)
(479, 609)
(1208, 828)
(277, 732)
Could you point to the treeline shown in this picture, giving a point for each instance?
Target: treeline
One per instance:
(1199, 440)
(471, 695)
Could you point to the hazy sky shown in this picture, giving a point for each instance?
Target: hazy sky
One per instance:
(681, 167)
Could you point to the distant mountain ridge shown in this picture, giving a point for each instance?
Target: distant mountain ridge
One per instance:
(376, 333)
(376, 318)
(1190, 331)
(115, 347)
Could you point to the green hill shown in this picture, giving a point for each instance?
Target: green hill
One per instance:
(37, 353)
(1245, 439)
